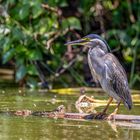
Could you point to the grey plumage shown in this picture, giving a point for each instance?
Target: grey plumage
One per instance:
(106, 69)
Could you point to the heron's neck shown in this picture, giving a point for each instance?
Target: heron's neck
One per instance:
(97, 52)
(98, 48)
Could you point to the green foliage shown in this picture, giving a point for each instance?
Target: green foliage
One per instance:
(32, 37)
(72, 22)
(21, 72)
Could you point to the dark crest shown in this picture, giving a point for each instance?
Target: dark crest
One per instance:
(95, 36)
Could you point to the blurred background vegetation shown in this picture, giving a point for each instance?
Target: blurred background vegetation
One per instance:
(33, 33)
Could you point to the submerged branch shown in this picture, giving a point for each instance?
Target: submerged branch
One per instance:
(78, 116)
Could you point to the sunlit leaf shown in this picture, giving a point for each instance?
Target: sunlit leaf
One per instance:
(8, 55)
(57, 3)
(31, 69)
(24, 11)
(34, 54)
(21, 72)
(5, 44)
(32, 83)
(36, 9)
(71, 22)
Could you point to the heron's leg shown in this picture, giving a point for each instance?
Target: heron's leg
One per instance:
(116, 109)
(102, 115)
(114, 112)
(108, 103)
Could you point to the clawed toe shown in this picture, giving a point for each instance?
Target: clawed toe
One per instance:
(89, 117)
(110, 117)
(100, 115)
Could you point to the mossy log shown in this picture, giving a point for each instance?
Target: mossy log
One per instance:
(78, 116)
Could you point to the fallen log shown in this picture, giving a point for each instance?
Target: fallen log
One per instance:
(77, 116)
(84, 116)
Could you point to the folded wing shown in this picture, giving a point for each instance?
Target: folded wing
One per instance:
(115, 74)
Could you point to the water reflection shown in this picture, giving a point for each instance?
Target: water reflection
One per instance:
(124, 124)
(41, 128)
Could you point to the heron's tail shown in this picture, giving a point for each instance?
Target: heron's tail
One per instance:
(128, 101)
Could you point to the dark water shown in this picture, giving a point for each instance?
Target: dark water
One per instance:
(41, 128)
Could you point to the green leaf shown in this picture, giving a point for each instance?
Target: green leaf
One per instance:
(31, 70)
(8, 55)
(37, 10)
(21, 72)
(59, 3)
(34, 55)
(24, 11)
(71, 22)
(17, 34)
(31, 82)
(123, 37)
(20, 49)
(20, 59)
(5, 43)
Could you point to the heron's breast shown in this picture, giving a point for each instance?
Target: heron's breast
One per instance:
(95, 68)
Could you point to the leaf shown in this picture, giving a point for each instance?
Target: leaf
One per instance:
(31, 69)
(21, 49)
(17, 34)
(113, 43)
(59, 3)
(21, 72)
(8, 55)
(71, 22)
(123, 37)
(34, 54)
(24, 11)
(20, 59)
(36, 9)
(31, 82)
(5, 43)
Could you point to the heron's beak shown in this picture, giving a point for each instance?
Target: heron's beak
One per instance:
(77, 42)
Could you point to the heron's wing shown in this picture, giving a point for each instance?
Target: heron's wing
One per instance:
(115, 74)
(92, 70)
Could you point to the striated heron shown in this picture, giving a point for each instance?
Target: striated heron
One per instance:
(106, 69)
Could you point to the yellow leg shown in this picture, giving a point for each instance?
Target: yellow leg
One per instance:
(114, 112)
(108, 103)
(100, 115)
(117, 108)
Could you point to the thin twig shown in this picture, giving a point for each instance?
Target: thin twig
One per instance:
(64, 69)
(99, 10)
(131, 15)
(51, 40)
(52, 9)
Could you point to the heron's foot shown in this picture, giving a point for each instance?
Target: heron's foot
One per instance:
(101, 116)
(97, 116)
(89, 117)
(111, 116)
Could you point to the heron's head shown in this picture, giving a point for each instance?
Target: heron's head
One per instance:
(90, 40)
